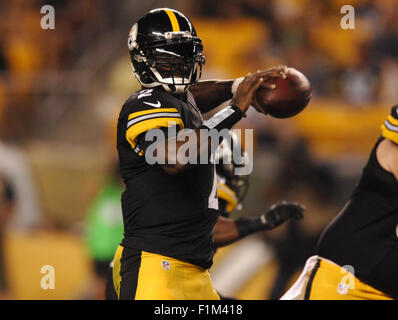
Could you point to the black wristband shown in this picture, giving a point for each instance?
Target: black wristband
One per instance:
(248, 226)
(224, 119)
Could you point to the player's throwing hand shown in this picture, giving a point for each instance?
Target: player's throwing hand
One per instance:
(244, 95)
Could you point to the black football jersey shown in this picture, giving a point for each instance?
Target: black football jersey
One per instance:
(172, 215)
(365, 233)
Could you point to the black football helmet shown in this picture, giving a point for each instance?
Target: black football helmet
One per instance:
(165, 50)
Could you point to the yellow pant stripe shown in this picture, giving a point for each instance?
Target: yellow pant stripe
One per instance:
(173, 20)
(116, 270)
(332, 282)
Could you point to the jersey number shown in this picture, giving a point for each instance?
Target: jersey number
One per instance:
(145, 93)
(213, 199)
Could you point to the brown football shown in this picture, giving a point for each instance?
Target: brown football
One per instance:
(290, 96)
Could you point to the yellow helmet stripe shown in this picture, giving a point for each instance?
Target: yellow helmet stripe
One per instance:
(173, 20)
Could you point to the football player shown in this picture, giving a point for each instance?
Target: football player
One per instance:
(7, 209)
(170, 209)
(357, 254)
(232, 189)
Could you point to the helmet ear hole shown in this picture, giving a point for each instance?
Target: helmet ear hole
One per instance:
(146, 78)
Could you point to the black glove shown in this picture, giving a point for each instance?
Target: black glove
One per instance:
(276, 215)
(280, 212)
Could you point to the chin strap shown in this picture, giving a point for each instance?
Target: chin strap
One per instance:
(178, 89)
(172, 85)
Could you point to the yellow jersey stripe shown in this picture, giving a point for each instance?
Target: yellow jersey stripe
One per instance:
(135, 130)
(150, 111)
(392, 120)
(173, 20)
(228, 195)
(389, 134)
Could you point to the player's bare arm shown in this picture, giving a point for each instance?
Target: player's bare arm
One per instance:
(239, 105)
(225, 232)
(387, 155)
(211, 93)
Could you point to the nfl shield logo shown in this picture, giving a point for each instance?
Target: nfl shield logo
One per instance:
(342, 288)
(166, 265)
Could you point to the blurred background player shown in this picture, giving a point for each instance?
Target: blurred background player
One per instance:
(357, 256)
(301, 179)
(104, 230)
(231, 191)
(7, 207)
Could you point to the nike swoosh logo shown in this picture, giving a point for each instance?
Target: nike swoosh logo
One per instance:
(156, 105)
